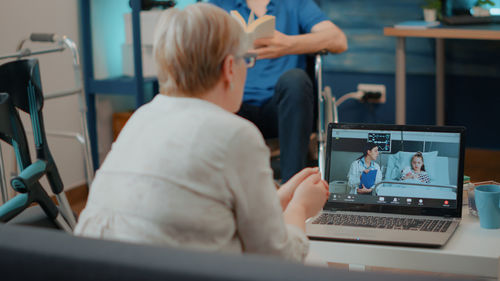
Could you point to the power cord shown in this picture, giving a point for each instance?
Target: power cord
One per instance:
(361, 96)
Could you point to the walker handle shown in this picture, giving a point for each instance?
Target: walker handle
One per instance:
(42, 37)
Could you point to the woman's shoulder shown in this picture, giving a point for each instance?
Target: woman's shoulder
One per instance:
(229, 123)
(226, 127)
(200, 113)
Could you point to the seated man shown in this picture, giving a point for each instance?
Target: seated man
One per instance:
(278, 94)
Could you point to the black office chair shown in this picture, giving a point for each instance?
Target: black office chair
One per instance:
(21, 89)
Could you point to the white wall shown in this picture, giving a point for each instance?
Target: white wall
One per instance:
(19, 18)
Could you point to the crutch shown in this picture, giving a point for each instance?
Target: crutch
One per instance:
(61, 43)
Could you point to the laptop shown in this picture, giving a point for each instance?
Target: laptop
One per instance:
(421, 208)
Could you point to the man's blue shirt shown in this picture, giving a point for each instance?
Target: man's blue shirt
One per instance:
(293, 17)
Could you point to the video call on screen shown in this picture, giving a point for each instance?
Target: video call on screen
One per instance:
(413, 169)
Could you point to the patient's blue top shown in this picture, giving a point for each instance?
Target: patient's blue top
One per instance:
(293, 17)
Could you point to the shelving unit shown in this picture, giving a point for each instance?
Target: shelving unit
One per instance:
(124, 85)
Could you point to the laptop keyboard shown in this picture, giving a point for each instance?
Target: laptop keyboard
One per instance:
(384, 222)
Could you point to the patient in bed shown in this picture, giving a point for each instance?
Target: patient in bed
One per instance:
(416, 172)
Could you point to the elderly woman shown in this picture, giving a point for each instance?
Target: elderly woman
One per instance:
(185, 171)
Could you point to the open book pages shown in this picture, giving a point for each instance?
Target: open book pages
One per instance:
(256, 28)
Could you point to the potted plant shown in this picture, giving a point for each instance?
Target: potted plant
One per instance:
(432, 8)
(479, 11)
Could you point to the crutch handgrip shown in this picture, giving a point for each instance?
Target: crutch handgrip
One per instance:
(43, 37)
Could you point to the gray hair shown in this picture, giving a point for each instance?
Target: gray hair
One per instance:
(190, 46)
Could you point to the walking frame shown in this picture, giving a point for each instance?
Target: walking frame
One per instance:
(59, 44)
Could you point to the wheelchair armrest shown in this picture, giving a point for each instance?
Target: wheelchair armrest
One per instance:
(29, 176)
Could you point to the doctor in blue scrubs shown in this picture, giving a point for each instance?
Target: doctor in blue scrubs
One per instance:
(363, 165)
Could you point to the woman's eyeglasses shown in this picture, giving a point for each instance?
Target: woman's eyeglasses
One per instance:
(249, 59)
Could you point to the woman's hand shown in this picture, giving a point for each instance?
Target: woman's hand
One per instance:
(286, 190)
(366, 171)
(410, 176)
(311, 195)
(272, 47)
(364, 190)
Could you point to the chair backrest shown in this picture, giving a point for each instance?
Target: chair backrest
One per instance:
(54, 255)
(21, 81)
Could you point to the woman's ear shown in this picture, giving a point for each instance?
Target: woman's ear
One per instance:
(228, 70)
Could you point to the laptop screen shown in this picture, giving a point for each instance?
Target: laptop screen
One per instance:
(401, 169)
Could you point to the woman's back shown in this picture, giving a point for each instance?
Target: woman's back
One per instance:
(184, 186)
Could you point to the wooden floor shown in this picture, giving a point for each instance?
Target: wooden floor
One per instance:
(480, 165)
(77, 198)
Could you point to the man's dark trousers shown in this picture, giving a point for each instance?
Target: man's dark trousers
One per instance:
(289, 116)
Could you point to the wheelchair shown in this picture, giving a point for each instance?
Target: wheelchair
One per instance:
(326, 110)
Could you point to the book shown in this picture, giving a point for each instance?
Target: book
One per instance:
(416, 24)
(368, 179)
(256, 28)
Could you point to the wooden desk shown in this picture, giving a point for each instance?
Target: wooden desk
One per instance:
(478, 32)
(472, 250)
